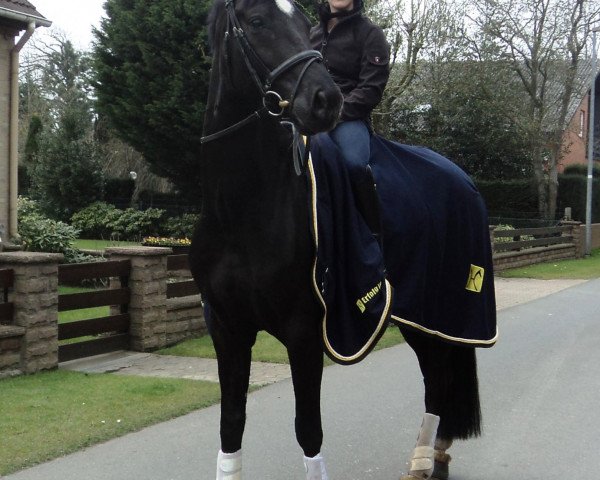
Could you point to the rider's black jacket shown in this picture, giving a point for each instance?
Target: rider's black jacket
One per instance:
(356, 55)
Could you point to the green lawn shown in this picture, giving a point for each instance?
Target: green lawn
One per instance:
(266, 348)
(584, 268)
(84, 313)
(50, 414)
(102, 244)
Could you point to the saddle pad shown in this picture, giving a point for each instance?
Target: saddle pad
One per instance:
(436, 250)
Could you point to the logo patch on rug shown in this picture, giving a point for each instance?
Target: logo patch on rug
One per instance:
(361, 303)
(475, 280)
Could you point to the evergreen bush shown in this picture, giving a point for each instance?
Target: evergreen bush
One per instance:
(182, 226)
(94, 220)
(104, 221)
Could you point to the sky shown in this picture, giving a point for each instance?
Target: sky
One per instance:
(72, 17)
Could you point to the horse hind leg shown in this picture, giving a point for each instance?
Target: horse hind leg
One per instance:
(451, 392)
(421, 465)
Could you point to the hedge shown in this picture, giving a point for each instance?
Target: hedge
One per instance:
(572, 192)
(518, 198)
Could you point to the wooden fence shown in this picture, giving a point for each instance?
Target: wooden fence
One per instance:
(512, 240)
(526, 246)
(110, 332)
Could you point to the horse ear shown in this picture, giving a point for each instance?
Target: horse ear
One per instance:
(218, 39)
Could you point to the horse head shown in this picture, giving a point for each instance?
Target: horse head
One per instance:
(262, 57)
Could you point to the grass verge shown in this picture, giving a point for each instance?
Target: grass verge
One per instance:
(582, 268)
(102, 244)
(266, 349)
(50, 414)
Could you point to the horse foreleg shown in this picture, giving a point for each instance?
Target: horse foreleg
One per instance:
(306, 363)
(233, 357)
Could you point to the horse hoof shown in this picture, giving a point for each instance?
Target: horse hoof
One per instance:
(440, 471)
(415, 477)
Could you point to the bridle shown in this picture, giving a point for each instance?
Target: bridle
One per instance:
(272, 102)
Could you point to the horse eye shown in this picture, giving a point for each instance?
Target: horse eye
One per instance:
(257, 22)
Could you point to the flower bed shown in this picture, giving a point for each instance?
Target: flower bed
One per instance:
(179, 245)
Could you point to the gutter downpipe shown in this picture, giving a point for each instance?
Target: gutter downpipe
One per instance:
(13, 162)
(32, 21)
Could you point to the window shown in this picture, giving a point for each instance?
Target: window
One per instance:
(581, 123)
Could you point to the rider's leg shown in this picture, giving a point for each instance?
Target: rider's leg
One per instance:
(353, 139)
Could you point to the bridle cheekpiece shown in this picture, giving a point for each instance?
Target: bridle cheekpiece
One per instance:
(272, 102)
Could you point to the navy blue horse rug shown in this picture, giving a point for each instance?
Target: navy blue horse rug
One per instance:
(436, 251)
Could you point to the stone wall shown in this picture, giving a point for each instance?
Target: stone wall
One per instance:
(185, 319)
(30, 343)
(34, 331)
(156, 321)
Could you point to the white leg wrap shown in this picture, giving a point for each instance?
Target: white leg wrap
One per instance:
(421, 463)
(229, 466)
(315, 468)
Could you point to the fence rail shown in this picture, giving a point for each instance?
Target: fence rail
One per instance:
(525, 246)
(183, 288)
(512, 239)
(6, 307)
(111, 332)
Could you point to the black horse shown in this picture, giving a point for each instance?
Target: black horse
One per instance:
(253, 253)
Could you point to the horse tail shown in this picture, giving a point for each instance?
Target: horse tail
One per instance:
(460, 415)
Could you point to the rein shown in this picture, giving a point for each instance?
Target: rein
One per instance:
(272, 102)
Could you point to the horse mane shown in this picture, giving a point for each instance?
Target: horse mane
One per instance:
(216, 11)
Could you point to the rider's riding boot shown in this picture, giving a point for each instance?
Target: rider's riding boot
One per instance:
(367, 203)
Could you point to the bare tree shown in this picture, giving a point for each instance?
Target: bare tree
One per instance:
(543, 41)
(416, 30)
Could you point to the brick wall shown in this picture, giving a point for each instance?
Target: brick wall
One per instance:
(503, 261)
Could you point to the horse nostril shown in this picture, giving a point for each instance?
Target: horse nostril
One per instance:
(320, 103)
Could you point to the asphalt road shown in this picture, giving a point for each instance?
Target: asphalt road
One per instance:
(540, 388)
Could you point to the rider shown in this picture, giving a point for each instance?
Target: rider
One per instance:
(356, 54)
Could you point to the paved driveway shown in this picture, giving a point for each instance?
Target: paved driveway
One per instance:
(540, 388)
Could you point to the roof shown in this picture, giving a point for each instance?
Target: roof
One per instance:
(22, 11)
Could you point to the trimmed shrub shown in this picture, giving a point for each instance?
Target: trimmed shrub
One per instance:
(509, 198)
(581, 169)
(572, 192)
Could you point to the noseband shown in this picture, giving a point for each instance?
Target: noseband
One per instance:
(272, 102)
